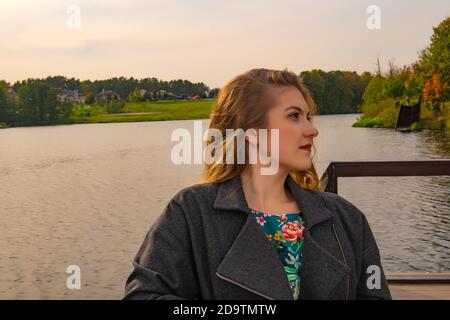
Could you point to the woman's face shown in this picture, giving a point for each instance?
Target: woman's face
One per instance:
(290, 115)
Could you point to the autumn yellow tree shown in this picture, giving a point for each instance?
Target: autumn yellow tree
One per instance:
(433, 94)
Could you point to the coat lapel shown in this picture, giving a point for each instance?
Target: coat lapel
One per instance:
(251, 261)
(253, 264)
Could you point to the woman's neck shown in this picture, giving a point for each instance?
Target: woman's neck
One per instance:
(266, 193)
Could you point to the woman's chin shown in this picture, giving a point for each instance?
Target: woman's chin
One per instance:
(304, 166)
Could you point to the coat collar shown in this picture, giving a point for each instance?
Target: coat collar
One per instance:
(252, 263)
(230, 196)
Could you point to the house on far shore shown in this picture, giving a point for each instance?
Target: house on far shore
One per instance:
(66, 95)
(182, 97)
(106, 96)
(12, 92)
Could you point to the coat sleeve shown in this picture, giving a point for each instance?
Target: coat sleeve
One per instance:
(372, 282)
(163, 267)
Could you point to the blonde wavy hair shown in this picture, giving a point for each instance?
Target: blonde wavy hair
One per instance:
(243, 103)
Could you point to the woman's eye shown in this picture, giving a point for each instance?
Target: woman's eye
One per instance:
(294, 115)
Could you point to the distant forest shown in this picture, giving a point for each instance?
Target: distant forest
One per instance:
(38, 101)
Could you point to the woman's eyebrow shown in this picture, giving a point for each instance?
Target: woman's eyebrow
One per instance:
(297, 108)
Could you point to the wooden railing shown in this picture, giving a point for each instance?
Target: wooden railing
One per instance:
(435, 285)
(329, 180)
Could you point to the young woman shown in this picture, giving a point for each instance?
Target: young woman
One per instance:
(241, 234)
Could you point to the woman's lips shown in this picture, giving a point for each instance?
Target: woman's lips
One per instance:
(306, 147)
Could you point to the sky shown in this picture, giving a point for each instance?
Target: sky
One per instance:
(208, 41)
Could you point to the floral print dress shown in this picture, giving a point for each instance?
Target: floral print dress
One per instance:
(285, 231)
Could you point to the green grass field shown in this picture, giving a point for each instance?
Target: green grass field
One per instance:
(145, 111)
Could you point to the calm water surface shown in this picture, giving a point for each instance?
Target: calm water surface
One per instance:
(86, 195)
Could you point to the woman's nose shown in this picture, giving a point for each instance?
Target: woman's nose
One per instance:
(316, 133)
(312, 132)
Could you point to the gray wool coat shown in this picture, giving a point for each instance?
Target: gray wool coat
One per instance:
(206, 245)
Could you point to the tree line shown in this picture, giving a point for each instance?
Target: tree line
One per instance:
(425, 80)
(35, 101)
(122, 85)
(336, 91)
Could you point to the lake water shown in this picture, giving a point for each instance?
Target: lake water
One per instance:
(86, 195)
